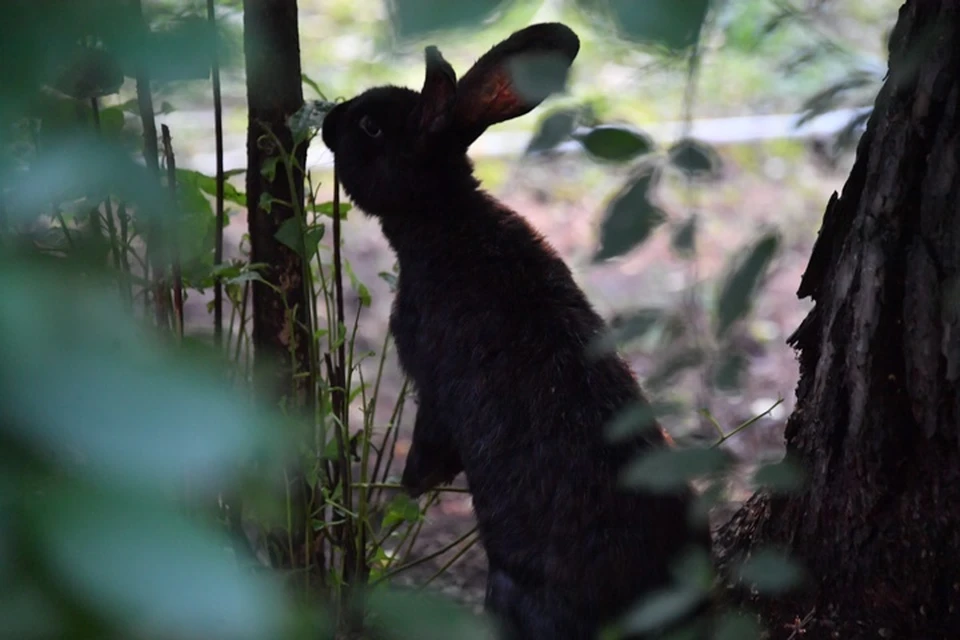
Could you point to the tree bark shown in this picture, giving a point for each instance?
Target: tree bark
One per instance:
(877, 421)
(275, 92)
(281, 313)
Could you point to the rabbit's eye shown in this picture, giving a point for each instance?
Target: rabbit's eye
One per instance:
(370, 127)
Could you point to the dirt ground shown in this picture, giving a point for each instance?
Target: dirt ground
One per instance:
(769, 189)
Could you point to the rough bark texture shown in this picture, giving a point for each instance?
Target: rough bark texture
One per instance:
(877, 423)
(274, 92)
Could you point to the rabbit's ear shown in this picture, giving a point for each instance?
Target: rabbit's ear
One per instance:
(438, 96)
(514, 77)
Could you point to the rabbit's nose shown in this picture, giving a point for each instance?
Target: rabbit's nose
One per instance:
(331, 129)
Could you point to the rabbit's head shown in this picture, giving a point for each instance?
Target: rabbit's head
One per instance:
(400, 152)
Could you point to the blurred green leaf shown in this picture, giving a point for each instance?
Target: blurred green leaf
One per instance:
(737, 626)
(684, 240)
(637, 418)
(667, 470)
(553, 131)
(90, 73)
(84, 165)
(661, 608)
(730, 369)
(694, 569)
(423, 617)
(97, 396)
(147, 568)
(624, 329)
(674, 365)
(180, 50)
(31, 612)
(742, 281)
(629, 219)
(616, 143)
(111, 120)
(785, 476)
(412, 19)
(538, 75)
(665, 24)
(695, 158)
(831, 97)
(771, 572)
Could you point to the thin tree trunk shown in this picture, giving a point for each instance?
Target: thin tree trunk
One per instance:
(274, 93)
(280, 337)
(877, 422)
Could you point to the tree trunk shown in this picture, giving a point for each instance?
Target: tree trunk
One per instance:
(281, 315)
(274, 92)
(877, 421)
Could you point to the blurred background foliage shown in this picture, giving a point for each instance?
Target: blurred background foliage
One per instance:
(121, 429)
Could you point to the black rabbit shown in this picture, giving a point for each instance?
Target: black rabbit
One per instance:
(493, 330)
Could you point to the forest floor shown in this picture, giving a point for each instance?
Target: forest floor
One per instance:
(788, 191)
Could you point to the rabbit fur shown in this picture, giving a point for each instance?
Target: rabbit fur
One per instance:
(493, 330)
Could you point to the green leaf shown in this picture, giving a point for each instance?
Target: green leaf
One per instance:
(247, 276)
(78, 165)
(694, 568)
(616, 143)
(269, 168)
(771, 572)
(661, 608)
(402, 508)
(398, 614)
(730, 369)
(831, 97)
(623, 329)
(629, 219)
(390, 279)
(127, 411)
(208, 184)
(102, 546)
(637, 418)
(111, 120)
(554, 130)
(742, 281)
(310, 82)
(90, 73)
(737, 626)
(326, 208)
(291, 235)
(362, 292)
(413, 19)
(668, 470)
(785, 476)
(674, 365)
(309, 117)
(684, 240)
(538, 75)
(695, 158)
(665, 24)
(182, 50)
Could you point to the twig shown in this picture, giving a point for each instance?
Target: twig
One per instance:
(218, 130)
